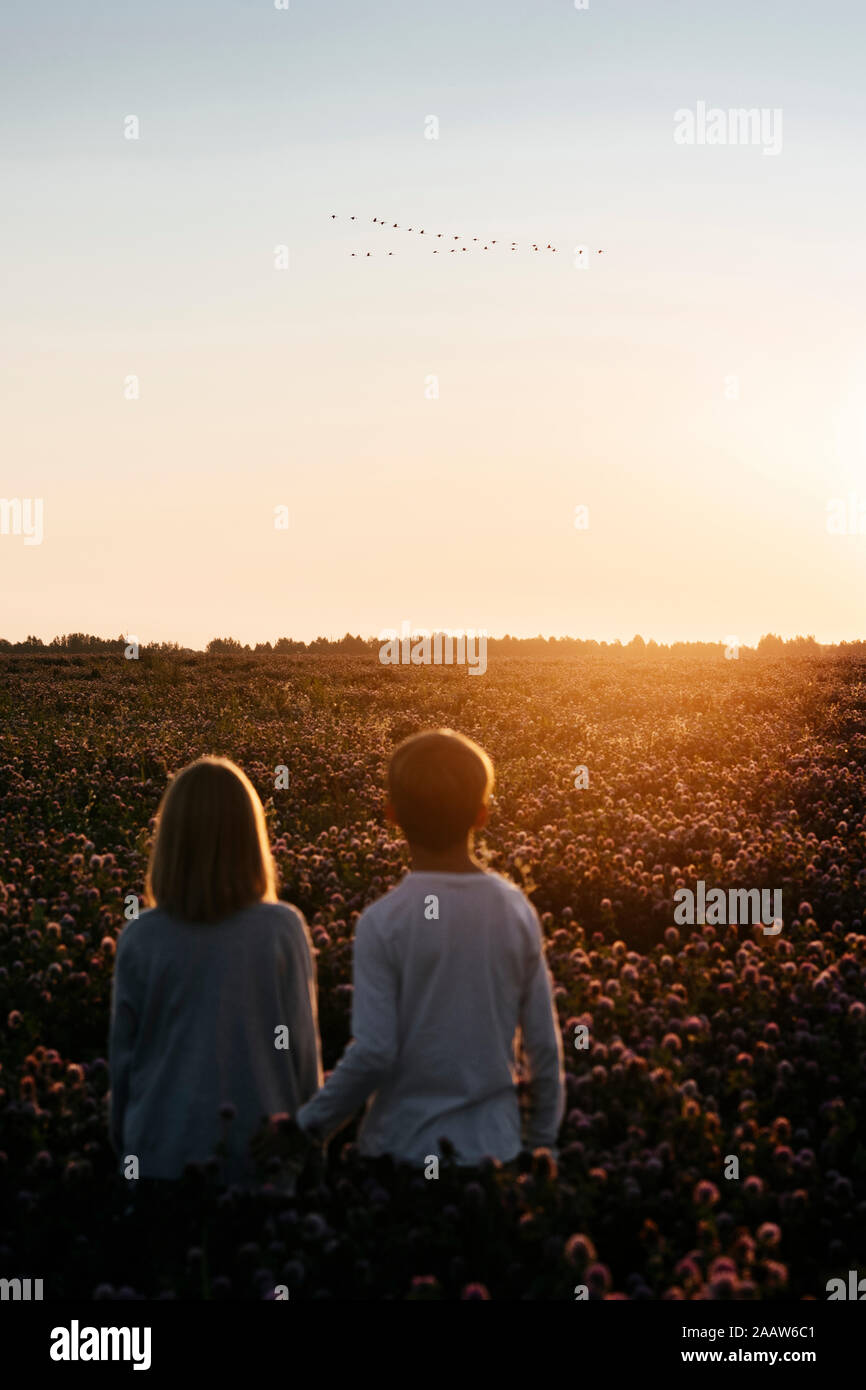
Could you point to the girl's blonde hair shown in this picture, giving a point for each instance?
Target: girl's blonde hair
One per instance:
(210, 856)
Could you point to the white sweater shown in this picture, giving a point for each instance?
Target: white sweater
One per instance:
(437, 1003)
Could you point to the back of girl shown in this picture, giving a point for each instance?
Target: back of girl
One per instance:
(214, 1019)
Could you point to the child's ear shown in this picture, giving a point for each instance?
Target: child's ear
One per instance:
(482, 817)
(390, 815)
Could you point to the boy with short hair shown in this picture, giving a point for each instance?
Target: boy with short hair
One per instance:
(447, 967)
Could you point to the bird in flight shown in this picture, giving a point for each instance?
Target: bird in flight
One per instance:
(474, 242)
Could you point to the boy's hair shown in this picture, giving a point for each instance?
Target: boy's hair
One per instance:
(437, 782)
(210, 856)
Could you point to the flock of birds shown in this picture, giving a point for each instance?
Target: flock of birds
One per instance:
(473, 243)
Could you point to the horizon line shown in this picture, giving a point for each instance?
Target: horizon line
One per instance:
(225, 645)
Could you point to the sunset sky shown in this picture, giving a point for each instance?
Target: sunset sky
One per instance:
(557, 387)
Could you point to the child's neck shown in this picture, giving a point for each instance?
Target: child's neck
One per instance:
(457, 860)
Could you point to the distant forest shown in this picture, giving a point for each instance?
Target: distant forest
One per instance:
(769, 645)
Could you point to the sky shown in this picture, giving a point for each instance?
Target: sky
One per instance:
(430, 423)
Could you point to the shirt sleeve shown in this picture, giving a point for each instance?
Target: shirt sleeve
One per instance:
(121, 1043)
(306, 1050)
(542, 1045)
(372, 1054)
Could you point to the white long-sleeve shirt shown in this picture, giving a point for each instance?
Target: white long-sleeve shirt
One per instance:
(447, 968)
(196, 1016)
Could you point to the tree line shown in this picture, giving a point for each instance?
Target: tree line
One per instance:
(769, 645)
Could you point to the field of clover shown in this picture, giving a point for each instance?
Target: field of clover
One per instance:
(704, 1042)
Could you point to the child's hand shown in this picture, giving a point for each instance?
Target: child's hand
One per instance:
(280, 1137)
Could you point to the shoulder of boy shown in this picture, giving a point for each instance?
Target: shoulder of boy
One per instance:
(366, 923)
(534, 930)
(532, 916)
(373, 933)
